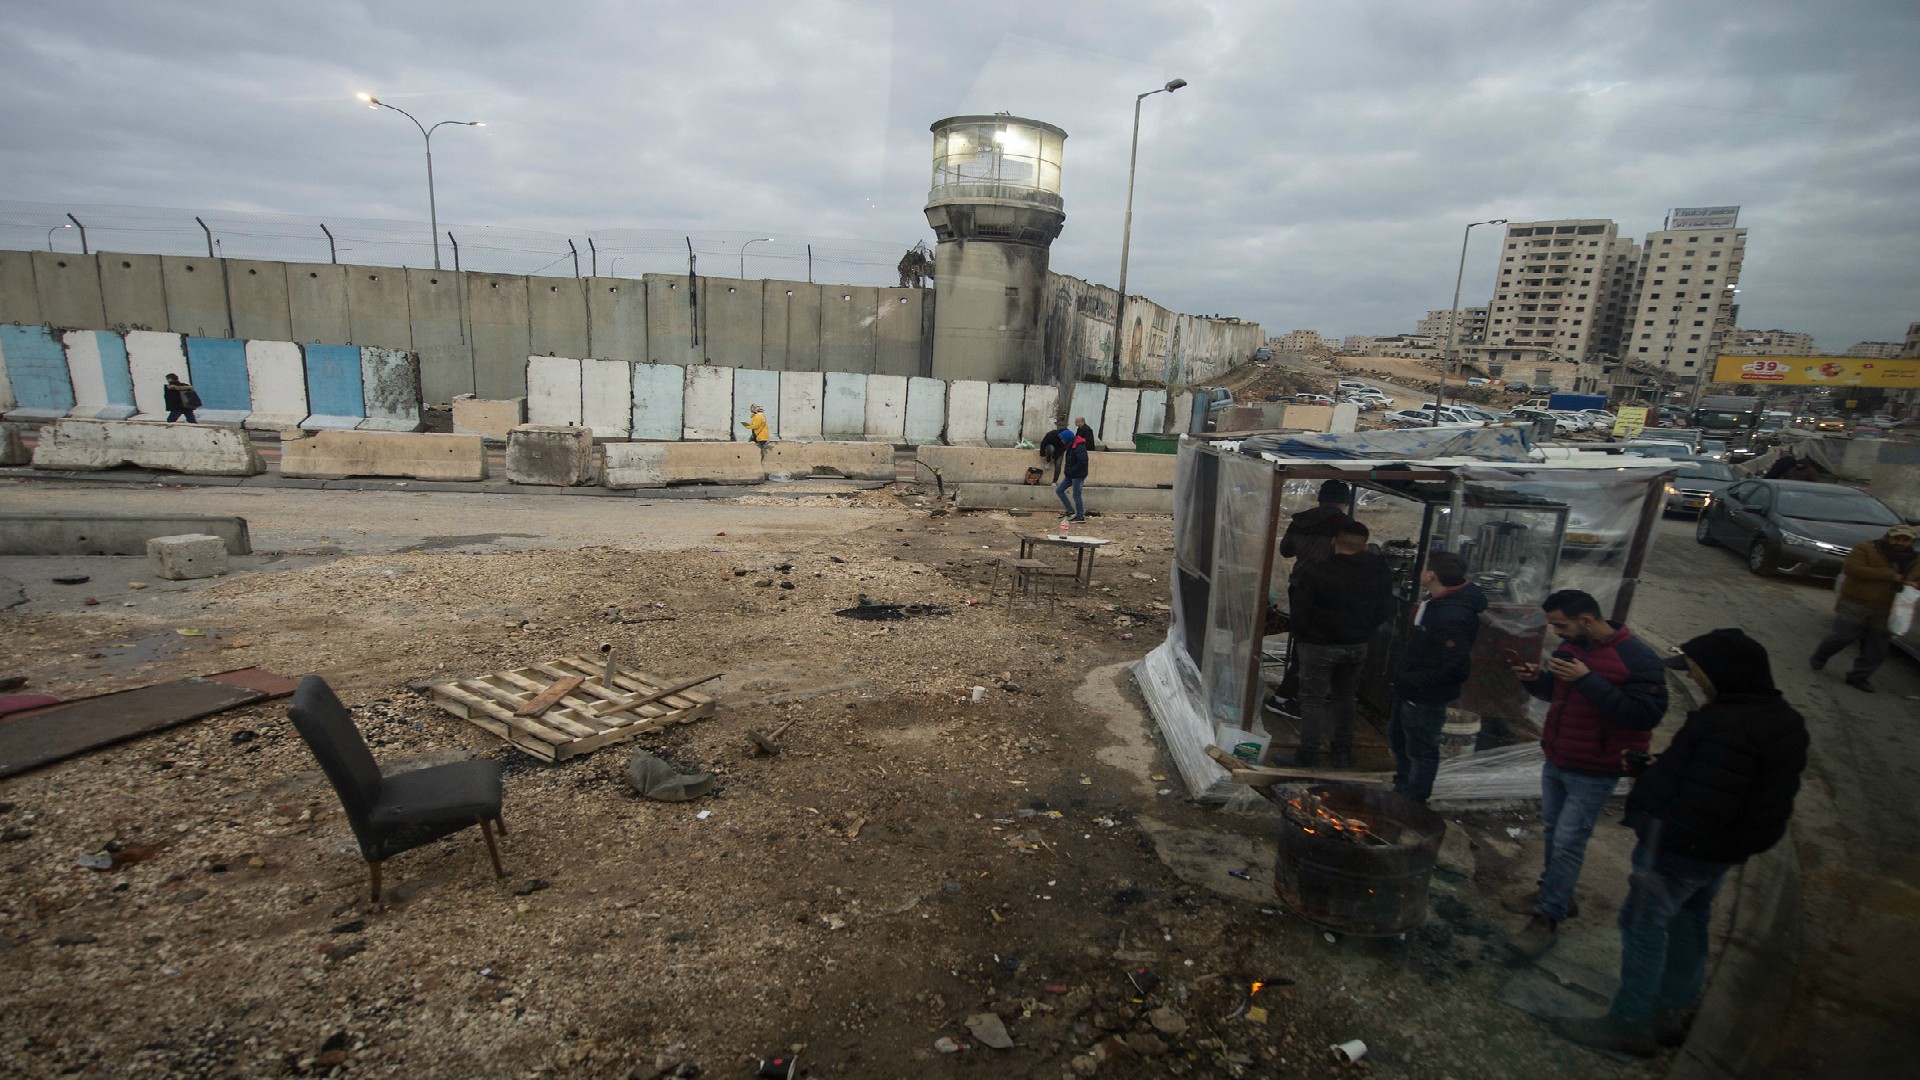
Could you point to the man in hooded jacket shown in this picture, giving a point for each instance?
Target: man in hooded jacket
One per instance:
(1434, 665)
(1720, 794)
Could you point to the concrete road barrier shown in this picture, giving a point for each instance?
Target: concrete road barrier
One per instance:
(857, 461)
(336, 455)
(108, 444)
(491, 420)
(187, 557)
(12, 450)
(980, 465)
(62, 533)
(550, 455)
(651, 465)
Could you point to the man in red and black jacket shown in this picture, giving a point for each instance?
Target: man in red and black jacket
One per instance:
(1608, 691)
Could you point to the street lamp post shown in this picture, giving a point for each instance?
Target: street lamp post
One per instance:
(433, 210)
(53, 230)
(743, 252)
(1453, 324)
(1126, 233)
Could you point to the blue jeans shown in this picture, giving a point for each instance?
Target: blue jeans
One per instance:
(1078, 507)
(1570, 804)
(1413, 734)
(1663, 931)
(1329, 676)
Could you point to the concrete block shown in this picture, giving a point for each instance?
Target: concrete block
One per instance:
(926, 411)
(657, 393)
(606, 398)
(966, 413)
(1006, 404)
(491, 420)
(1122, 413)
(1346, 417)
(1038, 411)
(12, 450)
(1090, 401)
(1104, 500)
(97, 365)
(854, 460)
(150, 355)
(335, 386)
(552, 456)
(336, 455)
(843, 415)
(1183, 414)
(553, 391)
(106, 444)
(969, 465)
(651, 465)
(886, 408)
(1255, 418)
(802, 397)
(277, 382)
(755, 387)
(217, 368)
(187, 557)
(61, 533)
(1153, 412)
(391, 389)
(707, 407)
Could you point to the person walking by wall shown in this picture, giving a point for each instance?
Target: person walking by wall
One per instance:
(1053, 446)
(1075, 470)
(180, 398)
(1607, 692)
(1338, 604)
(1308, 540)
(756, 425)
(1085, 431)
(1869, 580)
(1434, 665)
(1721, 793)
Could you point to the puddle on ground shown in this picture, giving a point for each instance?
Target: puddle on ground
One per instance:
(132, 652)
(442, 543)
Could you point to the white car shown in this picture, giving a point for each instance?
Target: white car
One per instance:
(1424, 418)
(1352, 384)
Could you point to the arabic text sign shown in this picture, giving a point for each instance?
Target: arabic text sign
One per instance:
(1630, 421)
(1703, 217)
(1817, 371)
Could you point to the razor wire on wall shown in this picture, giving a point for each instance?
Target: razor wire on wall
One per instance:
(613, 252)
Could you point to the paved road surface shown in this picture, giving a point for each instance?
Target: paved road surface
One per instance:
(1857, 821)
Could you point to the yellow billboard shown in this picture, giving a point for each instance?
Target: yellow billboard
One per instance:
(1817, 371)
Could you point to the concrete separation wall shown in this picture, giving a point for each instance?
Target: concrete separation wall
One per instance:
(390, 381)
(754, 387)
(336, 387)
(926, 411)
(844, 414)
(1038, 411)
(277, 383)
(491, 420)
(1089, 402)
(105, 444)
(1117, 421)
(886, 408)
(1006, 403)
(217, 368)
(150, 356)
(60, 533)
(658, 390)
(968, 465)
(97, 364)
(1104, 500)
(553, 391)
(855, 460)
(336, 455)
(38, 385)
(651, 465)
(966, 413)
(708, 405)
(606, 398)
(802, 395)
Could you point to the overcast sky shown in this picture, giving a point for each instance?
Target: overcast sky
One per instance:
(1316, 172)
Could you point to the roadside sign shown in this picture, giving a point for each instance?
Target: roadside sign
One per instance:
(1631, 420)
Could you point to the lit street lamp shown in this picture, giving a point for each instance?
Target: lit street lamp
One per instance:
(1453, 325)
(433, 212)
(53, 230)
(1126, 233)
(743, 252)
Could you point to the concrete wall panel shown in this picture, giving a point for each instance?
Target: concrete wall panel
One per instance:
(897, 338)
(97, 366)
(132, 292)
(1115, 428)
(19, 302)
(317, 307)
(277, 383)
(752, 387)
(335, 386)
(150, 355)
(966, 413)
(847, 317)
(196, 296)
(606, 398)
(440, 334)
(844, 414)
(802, 395)
(390, 381)
(1040, 408)
(502, 334)
(257, 295)
(557, 312)
(886, 408)
(926, 411)
(1153, 411)
(217, 368)
(617, 320)
(733, 322)
(657, 393)
(378, 309)
(554, 391)
(1089, 400)
(708, 405)
(38, 382)
(68, 287)
(790, 334)
(671, 304)
(1005, 404)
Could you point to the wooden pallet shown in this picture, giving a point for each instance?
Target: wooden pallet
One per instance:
(584, 719)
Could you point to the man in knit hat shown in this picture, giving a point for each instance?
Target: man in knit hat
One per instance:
(1720, 794)
(756, 425)
(1870, 578)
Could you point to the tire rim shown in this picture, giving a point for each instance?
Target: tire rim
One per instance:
(1757, 554)
(1700, 531)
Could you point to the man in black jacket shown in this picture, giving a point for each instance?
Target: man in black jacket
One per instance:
(1053, 446)
(1721, 793)
(1338, 603)
(1308, 540)
(1434, 665)
(180, 399)
(1075, 456)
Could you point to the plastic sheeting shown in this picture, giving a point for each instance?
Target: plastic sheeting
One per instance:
(1511, 443)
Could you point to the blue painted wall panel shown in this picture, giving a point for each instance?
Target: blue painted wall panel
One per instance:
(113, 369)
(217, 369)
(333, 381)
(37, 370)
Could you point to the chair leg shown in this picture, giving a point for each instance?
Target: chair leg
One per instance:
(501, 824)
(373, 867)
(493, 852)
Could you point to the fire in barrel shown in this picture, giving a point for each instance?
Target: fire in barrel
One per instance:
(1356, 859)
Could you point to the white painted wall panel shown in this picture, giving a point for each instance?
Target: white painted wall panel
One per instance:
(886, 408)
(843, 415)
(751, 387)
(1115, 429)
(606, 398)
(150, 355)
(1005, 405)
(553, 390)
(658, 390)
(926, 411)
(802, 394)
(708, 407)
(966, 413)
(1039, 410)
(277, 381)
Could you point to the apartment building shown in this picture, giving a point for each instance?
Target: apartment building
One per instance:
(1688, 293)
(1302, 340)
(1550, 299)
(1876, 350)
(1740, 342)
(1912, 346)
(1439, 322)
(1356, 344)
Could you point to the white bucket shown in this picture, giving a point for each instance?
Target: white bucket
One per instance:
(1460, 734)
(1248, 746)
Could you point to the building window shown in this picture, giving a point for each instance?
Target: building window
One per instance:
(1692, 351)
(1663, 242)
(1643, 348)
(1697, 322)
(1693, 337)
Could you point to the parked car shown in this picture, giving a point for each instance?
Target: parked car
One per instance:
(1792, 525)
(1830, 423)
(1312, 399)
(1598, 419)
(1263, 353)
(1713, 448)
(1561, 424)
(1693, 486)
(1519, 388)
(1352, 384)
(1423, 418)
(1664, 448)
(1477, 381)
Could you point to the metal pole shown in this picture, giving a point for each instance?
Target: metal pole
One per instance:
(1453, 323)
(593, 258)
(433, 208)
(456, 252)
(576, 257)
(809, 264)
(209, 232)
(53, 230)
(83, 234)
(1126, 243)
(333, 253)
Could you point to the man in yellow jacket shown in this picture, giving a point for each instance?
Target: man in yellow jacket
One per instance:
(756, 425)
(1871, 577)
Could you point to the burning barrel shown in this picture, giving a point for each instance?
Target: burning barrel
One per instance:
(1356, 859)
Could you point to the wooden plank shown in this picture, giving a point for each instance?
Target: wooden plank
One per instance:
(635, 684)
(549, 697)
(647, 684)
(567, 728)
(539, 731)
(573, 711)
(658, 695)
(475, 713)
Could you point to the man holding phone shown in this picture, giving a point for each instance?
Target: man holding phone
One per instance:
(1608, 691)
